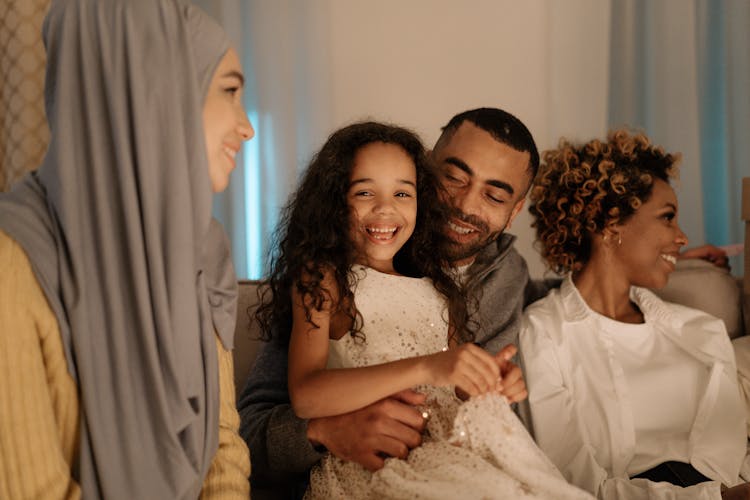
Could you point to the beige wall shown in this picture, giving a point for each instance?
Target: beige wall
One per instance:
(418, 62)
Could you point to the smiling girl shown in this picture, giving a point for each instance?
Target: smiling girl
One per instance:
(361, 273)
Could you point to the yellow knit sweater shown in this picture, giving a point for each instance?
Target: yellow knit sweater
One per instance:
(39, 407)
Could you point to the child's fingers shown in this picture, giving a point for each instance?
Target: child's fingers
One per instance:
(481, 368)
(489, 368)
(480, 380)
(506, 353)
(515, 386)
(468, 385)
(518, 396)
(484, 361)
(512, 374)
(468, 366)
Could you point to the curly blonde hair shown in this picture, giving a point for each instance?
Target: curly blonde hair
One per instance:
(582, 189)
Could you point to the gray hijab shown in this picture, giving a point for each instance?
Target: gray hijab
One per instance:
(117, 224)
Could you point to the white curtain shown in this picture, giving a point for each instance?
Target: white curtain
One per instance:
(680, 70)
(287, 99)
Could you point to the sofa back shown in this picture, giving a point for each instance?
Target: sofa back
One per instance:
(246, 333)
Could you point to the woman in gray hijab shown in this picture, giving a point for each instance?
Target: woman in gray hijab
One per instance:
(117, 295)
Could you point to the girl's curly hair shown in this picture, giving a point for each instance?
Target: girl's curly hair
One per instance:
(581, 189)
(313, 236)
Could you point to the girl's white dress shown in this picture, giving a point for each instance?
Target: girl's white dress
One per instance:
(472, 449)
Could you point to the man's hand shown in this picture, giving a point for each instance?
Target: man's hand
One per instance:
(715, 255)
(387, 428)
(514, 386)
(739, 492)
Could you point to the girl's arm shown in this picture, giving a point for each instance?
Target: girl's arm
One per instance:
(316, 391)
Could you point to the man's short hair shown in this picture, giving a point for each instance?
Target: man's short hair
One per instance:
(503, 126)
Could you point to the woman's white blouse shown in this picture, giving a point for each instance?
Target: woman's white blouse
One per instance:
(610, 400)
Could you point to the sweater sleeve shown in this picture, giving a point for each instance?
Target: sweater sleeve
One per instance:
(277, 438)
(229, 472)
(38, 399)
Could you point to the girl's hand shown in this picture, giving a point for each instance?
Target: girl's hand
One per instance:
(514, 386)
(470, 368)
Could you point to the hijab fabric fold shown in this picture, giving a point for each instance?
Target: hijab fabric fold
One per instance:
(117, 225)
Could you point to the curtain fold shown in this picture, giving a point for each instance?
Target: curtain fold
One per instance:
(725, 114)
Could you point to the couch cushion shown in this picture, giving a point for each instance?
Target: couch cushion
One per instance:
(700, 284)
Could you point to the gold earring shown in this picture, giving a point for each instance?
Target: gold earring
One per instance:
(619, 239)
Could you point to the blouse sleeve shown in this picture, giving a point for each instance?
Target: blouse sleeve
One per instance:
(228, 477)
(560, 431)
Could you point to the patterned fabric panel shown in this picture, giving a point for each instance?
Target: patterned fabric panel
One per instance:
(23, 126)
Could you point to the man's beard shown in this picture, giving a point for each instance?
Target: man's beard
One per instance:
(460, 251)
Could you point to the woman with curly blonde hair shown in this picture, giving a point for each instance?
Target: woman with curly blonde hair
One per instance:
(631, 397)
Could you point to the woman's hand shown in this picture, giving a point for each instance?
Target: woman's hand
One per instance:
(470, 368)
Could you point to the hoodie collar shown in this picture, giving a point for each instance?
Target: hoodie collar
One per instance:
(490, 256)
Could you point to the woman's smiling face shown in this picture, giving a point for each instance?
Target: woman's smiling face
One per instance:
(651, 239)
(225, 122)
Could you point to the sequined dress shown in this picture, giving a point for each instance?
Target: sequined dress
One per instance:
(472, 449)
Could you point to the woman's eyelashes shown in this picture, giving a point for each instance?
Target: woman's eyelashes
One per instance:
(669, 216)
(233, 86)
